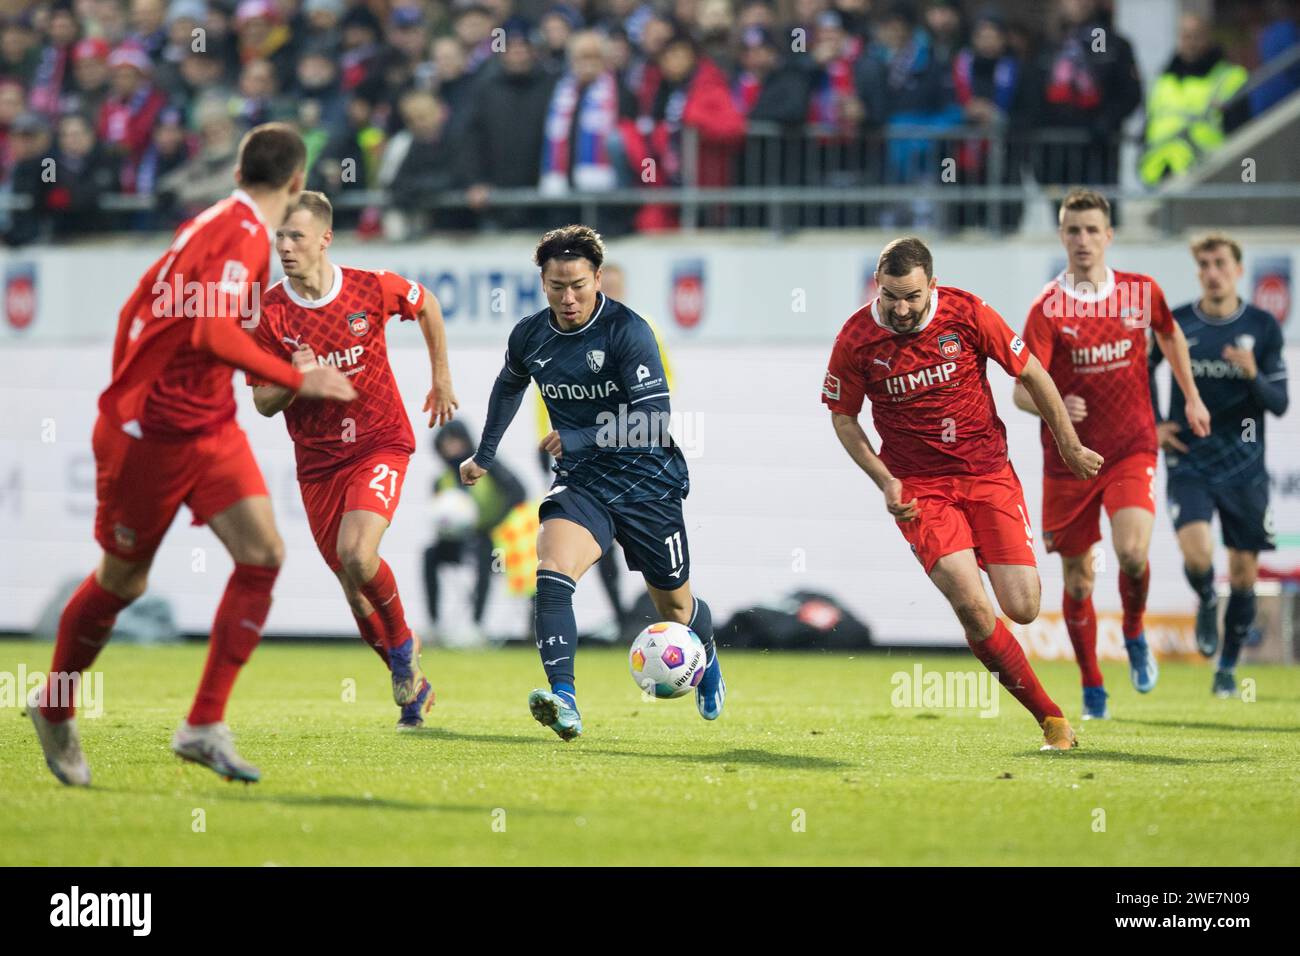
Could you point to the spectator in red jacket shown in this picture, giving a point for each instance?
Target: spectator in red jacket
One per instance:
(691, 94)
(126, 120)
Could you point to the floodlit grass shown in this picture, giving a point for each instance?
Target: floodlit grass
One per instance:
(810, 764)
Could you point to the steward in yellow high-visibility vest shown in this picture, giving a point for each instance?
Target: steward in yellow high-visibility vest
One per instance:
(1185, 115)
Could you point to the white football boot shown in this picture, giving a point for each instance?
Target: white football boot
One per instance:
(213, 746)
(61, 744)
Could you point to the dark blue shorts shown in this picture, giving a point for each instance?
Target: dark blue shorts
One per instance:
(1244, 515)
(652, 533)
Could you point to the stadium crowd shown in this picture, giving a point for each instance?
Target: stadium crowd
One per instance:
(147, 98)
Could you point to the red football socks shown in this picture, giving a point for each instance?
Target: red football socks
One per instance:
(84, 628)
(1133, 595)
(235, 633)
(372, 632)
(381, 592)
(1081, 624)
(1001, 653)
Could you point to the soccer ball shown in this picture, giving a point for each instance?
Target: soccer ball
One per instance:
(667, 660)
(454, 513)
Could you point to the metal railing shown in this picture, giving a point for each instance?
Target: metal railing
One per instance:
(789, 178)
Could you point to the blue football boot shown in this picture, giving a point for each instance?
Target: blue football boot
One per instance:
(712, 690)
(1094, 703)
(552, 710)
(1142, 666)
(412, 717)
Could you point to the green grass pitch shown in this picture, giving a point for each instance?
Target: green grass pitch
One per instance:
(810, 764)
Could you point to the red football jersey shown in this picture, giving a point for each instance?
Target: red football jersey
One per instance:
(1094, 345)
(930, 396)
(163, 386)
(345, 328)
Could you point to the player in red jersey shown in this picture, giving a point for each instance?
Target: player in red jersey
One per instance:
(166, 435)
(919, 353)
(352, 458)
(1088, 328)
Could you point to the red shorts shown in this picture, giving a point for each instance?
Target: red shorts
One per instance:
(1072, 506)
(985, 513)
(141, 483)
(372, 483)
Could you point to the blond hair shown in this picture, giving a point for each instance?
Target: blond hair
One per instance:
(1213, 240)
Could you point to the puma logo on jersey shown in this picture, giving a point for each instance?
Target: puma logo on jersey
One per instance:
(1070, 330)
(884, 362)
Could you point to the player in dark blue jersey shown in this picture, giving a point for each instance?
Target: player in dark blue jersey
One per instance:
(619, 474)
(1237, 362)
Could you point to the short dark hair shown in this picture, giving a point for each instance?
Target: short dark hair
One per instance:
(270, 154)
(903, 255)
(570, 242)
(1079, 199)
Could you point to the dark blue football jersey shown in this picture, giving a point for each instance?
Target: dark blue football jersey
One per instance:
(607, 395)
(1237, 406)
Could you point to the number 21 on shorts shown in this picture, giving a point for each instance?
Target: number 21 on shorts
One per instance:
(385, 474)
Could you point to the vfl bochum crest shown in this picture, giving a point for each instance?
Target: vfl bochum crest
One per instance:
(595, 360)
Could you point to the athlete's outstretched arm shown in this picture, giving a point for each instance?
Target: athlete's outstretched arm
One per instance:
(272, 399)
(227, 341)
(441, 403)
(1174, 346)
(1038, 385)
(1166, 429)
(1022, 399)
(858, 445)
(503, 403)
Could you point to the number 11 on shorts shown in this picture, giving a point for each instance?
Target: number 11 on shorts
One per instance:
(674, 540)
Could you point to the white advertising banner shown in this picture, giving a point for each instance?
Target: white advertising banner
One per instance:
(718, 290)
(775, 504)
